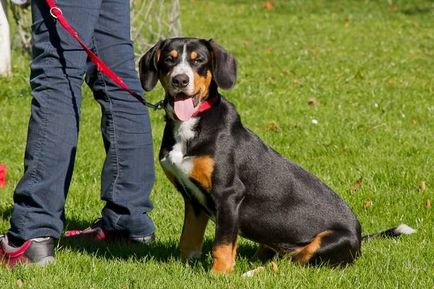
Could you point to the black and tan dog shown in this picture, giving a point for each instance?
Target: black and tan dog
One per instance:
(226, 173)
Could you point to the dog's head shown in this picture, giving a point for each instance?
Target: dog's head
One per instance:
(189, 69)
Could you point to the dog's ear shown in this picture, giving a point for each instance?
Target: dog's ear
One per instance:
(148, 70)
(224, 66)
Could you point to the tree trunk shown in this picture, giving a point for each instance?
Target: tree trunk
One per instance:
(5, 43)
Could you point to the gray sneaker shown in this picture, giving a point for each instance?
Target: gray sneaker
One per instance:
(39, 251)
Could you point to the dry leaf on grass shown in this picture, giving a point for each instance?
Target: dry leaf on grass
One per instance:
(274, 267)
(367, 204)
(427, 203)
(357, 185)
(253, 272)
(422, 186)
(313, 101)
(393, 8)
(267, 5)
(272, 126)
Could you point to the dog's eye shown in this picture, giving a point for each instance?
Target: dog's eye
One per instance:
(199, 60)
(169, 59)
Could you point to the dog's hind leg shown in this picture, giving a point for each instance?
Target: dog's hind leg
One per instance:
(331, 247)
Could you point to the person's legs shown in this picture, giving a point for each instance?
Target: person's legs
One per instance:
(57, 70)
(128, 172)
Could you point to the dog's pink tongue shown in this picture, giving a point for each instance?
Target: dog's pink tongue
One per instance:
(184, 108)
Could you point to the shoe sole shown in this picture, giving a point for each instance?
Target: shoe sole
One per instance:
(45, 261)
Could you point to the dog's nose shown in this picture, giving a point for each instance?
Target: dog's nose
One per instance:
(180, 80)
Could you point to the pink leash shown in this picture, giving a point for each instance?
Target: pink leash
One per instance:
(103, 68)
(100, 65)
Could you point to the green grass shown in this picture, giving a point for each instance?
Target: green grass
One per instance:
(370, 65)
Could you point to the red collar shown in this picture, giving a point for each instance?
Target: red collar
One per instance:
(207, 104)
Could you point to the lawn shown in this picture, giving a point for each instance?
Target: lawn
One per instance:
(344, 88)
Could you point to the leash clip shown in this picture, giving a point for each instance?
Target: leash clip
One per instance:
(53, 13)
(154, 106)
(159, 105)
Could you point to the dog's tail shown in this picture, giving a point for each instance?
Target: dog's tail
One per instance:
(402, 229)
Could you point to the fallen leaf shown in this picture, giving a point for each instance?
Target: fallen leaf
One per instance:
(296, 81)
(346, 22)
(253, 272)
(274, 267)
(357, 185)
(392, 82)
(427, 203)
(269, 50)
(273, 126)
(367, 204)
(313, 101)
(422, 186)
(393, 8)
(267, 5)
(20, 283)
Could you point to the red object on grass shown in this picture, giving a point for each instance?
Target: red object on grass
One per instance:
(3, 171)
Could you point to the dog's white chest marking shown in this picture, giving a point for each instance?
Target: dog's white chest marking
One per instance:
(184, 131)
(180, 165)
(176, 157)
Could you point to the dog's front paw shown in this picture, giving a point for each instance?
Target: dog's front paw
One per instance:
(223, 259)
(222, 268)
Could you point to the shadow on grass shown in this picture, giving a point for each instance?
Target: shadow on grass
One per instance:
(6, 213)
(415, 11)
(118, 250)
(159, 251)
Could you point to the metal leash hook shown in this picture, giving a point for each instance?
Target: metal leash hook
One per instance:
(159, 105)
(155, 106)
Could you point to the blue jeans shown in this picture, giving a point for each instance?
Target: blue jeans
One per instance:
(57, 74)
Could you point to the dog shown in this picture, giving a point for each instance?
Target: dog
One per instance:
(227, 174)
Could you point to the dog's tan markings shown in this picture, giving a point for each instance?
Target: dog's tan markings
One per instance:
(234, 251)
(193, 55)
(202, 83)
(223, 258)
(173, 53)
(202, 170)
(304, 254)
(193, 231)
